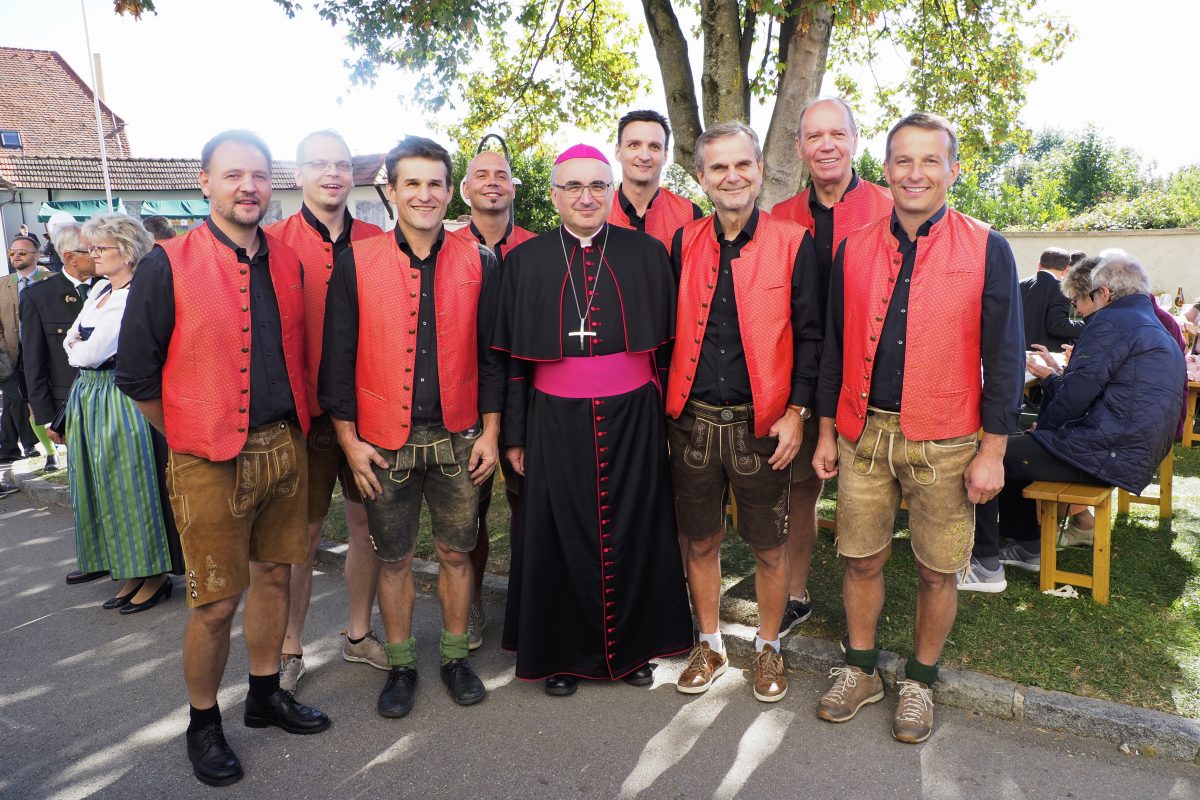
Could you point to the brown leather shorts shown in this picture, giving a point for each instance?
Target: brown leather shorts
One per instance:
(327, 466)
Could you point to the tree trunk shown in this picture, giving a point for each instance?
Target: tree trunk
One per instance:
(806, 49)
(723, 81)
(671, 48)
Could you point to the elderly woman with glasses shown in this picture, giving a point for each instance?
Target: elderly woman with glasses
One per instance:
(115, 489)
(1109, 418)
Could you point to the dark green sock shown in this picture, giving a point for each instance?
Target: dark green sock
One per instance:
(453, 645)
(866, 660)
(402, 654)
(916, 671)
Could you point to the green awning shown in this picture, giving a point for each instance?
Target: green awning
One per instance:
(175, 209)
(82, 210)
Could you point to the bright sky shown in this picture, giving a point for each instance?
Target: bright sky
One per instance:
(197, 68)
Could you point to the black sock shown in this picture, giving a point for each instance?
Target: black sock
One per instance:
(355, 641)
(203, 716)
(263, 686)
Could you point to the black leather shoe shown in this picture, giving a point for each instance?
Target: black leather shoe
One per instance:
(282, 711)
(465, 687)
(7, 488)
(75, 576)
(396, 699)
(152, 601)
(119, 600)
(51, 464)
(213, 760)
(642, 676)
(562, 685)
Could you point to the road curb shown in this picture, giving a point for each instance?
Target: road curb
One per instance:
(39, 490)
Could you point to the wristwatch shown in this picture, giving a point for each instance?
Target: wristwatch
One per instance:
(804, 412)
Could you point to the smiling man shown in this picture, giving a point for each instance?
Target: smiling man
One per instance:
(742, 380)
(407, 374)
(922, 351)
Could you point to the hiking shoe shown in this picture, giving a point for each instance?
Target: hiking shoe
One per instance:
(770, 675)
(976, 579)
(1074, 536)
(796, 612)
(852, 689)
(291, 670)
(368, 651)
(704, 665)
(1012, 555)
(476, 621)
(914, 712)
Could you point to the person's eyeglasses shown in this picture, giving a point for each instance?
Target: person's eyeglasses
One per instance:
(574, 189)
(99, 249)
(321, 165)
(82, 251)
(20, 253)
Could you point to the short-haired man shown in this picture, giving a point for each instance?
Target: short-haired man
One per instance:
(641, 202)
(406, 374)
(835, 202)
(489, 190)
(742, 381)
(16, 433)
(320, 232)
(1045, 308)
(215, 360)
(922, 349)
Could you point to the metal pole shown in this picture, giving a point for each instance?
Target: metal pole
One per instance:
(96, 102)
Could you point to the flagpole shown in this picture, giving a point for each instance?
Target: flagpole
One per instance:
(96, 102)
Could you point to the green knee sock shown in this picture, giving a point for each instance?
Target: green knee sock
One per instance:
(866, 660)
(40, 432)
(453, 645)
(916, 671)
(402, 654)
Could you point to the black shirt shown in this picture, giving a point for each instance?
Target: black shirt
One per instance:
(149, 322)
(722, 376)
(343, 240)
(479, 237)
(823, 231)
(639, 223)
(1001, 334)
(339, 355)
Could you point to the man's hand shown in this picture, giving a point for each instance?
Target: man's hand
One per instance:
(790, 430)
(516, 457)
(825, 457)
(485, 455)
(55, 437)
(984, 476)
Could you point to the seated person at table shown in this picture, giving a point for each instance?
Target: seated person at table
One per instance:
(1109, 419)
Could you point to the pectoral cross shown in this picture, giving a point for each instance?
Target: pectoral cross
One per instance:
(582, 332)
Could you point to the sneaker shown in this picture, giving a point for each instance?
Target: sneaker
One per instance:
(1075, 536)
(704, 665)
(7, 488)
(770, 675)
(1012, 555)
(291, 670)
(852, 689)
(976, 579)
(476, 622)
(796, 612)
(368, 651)
(51, 463)
(914, 712)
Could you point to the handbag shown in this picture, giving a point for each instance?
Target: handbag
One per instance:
(59, 424)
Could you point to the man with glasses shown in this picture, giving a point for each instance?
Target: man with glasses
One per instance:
(320, 232)
(596, 588)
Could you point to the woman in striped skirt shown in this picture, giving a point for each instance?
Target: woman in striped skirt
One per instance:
(119, 521)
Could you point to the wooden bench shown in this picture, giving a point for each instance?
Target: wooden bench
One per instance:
(1052, 494)
(1166, 472)
(1190, 437)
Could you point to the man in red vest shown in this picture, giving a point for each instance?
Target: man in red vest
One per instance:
(406, 374)
(922, 350)
(641, 202)
(489, 190)
(742, 380)
(215, 360)
(320, 232)
(836, 202)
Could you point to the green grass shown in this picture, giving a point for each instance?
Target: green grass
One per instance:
(1142, 649)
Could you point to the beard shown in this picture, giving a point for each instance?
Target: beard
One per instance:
(239, 215)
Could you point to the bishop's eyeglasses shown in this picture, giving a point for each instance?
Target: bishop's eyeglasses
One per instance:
(574, 189)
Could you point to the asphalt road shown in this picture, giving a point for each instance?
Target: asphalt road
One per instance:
(92, 704)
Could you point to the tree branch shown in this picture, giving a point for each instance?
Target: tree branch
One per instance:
(671, 48)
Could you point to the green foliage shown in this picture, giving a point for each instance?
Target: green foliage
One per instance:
(681, 182)
(869, 168)
(1159, 208)
(534, 211)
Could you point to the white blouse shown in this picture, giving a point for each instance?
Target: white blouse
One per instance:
(105, 322)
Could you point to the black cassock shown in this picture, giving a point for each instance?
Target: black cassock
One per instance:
(596, 587)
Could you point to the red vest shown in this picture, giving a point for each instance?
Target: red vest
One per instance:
(514, 238)
(860, 206)
(668, 212)
(206, 377)
(315, 254)
(389, 292)
(942, 368)
(762, 287)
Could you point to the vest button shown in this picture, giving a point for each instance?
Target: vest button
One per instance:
(868, 359)
(693, 360)
(412, 294)
(404, 407)
(408, 350)
(883, 300)
(245, 309)
(412, 313)
(243, 369)
(245, 349)
(242, 410)
(408, 369)
(241, 429)
(689, 377)
(245, 329)
(329, 266)
(699, 322)
(408, 388)
(710, 286)
(863, 395)
(891, 279)
(245, 391)
(697, 341)
(872, 338)
(411, 331)
(879, 319)
(242, 289)
(414, 276)
(242, 271)
(704, 305)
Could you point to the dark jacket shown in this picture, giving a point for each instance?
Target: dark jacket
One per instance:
(48, 308)
(1115, 409)
(1047, 313)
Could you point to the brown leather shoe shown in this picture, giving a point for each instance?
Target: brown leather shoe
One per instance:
(852, 689)
(914, 712)
(770, 675)
(703, 667)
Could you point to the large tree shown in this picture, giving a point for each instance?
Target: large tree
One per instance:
(528, 68)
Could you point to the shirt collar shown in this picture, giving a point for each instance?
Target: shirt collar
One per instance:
(240, 252)
(747, 232)
(74, 281)
(503, 239)
(902, 235)
(812, 194)
(433, 251)
(320, 228)
(628, 207)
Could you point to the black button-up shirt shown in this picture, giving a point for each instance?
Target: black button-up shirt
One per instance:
(343, 240)
(479, 237)
(823, 231)
(639, 222)
(149, 322)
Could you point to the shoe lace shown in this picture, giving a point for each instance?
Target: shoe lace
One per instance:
(915, 700)
(844, 679)
(769, 664)
(697, 658)
(210, 735)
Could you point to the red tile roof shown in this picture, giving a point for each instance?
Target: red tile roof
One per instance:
(47, 102)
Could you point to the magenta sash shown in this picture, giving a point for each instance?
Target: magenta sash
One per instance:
(595, 376)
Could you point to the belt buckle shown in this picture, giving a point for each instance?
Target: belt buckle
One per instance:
(726, 415)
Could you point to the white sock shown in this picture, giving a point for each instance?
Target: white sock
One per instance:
(714, 641)
(760, 642)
